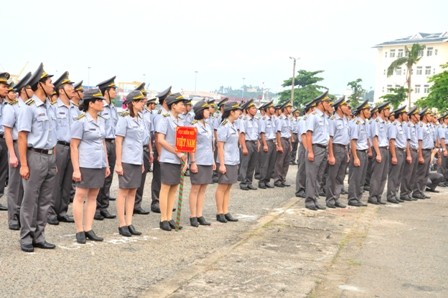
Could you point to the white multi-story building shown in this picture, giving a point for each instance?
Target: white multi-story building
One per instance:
(434, 55)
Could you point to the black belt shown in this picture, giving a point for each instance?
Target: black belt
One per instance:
(415, 150)
(285, 138)
(320, 145)
(43, 151)
(426, 149)
(404, 149)
(271, 140)
(384, 147)
(340, 145)
(1, 136)
(363, 150)
(110, 140)
(251, 141)
(145, 146)
(14, 141)
(64, 143)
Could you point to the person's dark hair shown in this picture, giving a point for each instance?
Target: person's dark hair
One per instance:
(84, 106)
(131, 109)
(199, 115)
(225, 115)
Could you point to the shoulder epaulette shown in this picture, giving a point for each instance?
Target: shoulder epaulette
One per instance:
(377, 120)
(165, 115)
(357, 122)
(124, 113)
(80, 116)
(421, 125)
(29, 102)
(194, 121)
(53, 103)
(332, 117)
(13, 102)
(224, 122)
(305, 117)
(159, 112)
(395, 123)
(314, 113)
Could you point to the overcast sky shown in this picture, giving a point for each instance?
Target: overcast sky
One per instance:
(165, 42)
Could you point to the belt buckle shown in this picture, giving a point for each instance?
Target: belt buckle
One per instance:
(50, 151)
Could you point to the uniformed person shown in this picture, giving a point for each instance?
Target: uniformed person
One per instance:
(337, 153)
(9, 118)
(4, 77)
(283, 145)
(268, 153)
(380, 150)
(216, 119)
(36, 142)
(317, 138)
(359, 146)
(109, 114)
(228, 160)
(65, 115)
(249, 144)
(294, 135)
(399, 154)
(443, 136)
(90, 164)
(77, 95)
(130, 137)
(371, 160)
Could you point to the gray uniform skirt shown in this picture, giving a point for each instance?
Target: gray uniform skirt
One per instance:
(91, 178)
(231, 175)
(203, 176)
(170, 173)
(132, 176)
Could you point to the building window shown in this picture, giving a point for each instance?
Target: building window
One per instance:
(435, 52)
(434, 71)
(429, 52)
(417, 89)
(389, 87)
(398, 71)
(426, 89)
(420, 53)
(385, 72)
(419, 70)
(382, 89)
(385, 54)
(427, 70)
(397, 86)
(400, 53)
(392, 53)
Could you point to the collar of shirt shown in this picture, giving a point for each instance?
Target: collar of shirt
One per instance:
(38, 101)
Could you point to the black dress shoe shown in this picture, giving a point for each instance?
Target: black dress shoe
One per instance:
(3, 208)
(406, 198)
(106, 214)
(393, 201)
(66, 218)
(81, 238)
(15, 226)
(194, 222)
(426, 197)
(258, 177)
(344, 192)
(320, 207)
(44, 245)
(27, 247)
(250, 186)
(98, 216)
(278, 184)
(229, 217)
(399, 199)
(339, 205)
(221, 218)
(300, 194)
(357, 203)
(331, 205)
(432, 190)
(155, 207)
(381, 202)
(310, 206)
(124, 231)
(164, 225)
(372, 201)
(203, 222)
(286, 184)
(244, 187)
(53, 220)
(261, 185)
(140, 210)
(133, 231)
(268, 185)
(173, 225)
(92, 236)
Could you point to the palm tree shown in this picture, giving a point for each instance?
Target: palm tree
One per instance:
(411, 57)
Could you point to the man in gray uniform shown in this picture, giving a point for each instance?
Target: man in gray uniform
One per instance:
(318, 138)
(295, 135)
(4, 77)
(399, 153)
(37, 139)
(380, 142)
(110, 116)
(268, 153)
(283, 148)
(248, 140)
(337, 153)
(65, 113)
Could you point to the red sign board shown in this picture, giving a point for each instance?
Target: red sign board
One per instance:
(186, 139)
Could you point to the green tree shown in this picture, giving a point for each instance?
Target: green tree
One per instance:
(305, 87)
(412, 56)
(438, 92)
(396, 96)
(357, 92)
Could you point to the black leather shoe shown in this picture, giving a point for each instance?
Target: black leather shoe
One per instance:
(426, 197)
(81, 238)
(92, 236)
(339, 205)
(344, 192)
(164, 225)
(155, 207)
(203, 222)
(244, 187)
(53, 220)
(372, 201)
(286, 184)
(221, 218)
(399, 199)
(229, 217)
(310, 206)
(98, 216)
(250, 186)
(15, 226)
(320, 207)
(124, 231)
(65, 218)
(194, 222)
(140, 210)
(261, 185)
(133, 231)
(278, 184)
(3, 208)
(268, 185)
(173, 225)
(381, 202)
(357, 204)
(321, 194)
(331, 205)
(44, 245)
(300, 194)
(406, 198)
(432, 190)
(106, 214)
(258, 177)
(27, 247)
(393, 201)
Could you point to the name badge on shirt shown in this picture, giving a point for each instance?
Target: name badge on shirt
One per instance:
(42, 117)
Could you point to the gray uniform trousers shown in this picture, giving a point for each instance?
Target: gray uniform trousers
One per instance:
(267, 162)
(422, 173)
(434, 179)
(395, 174)
(63, 184)
(409, 174)
(155, 183)
(37, 193)
(102, 200)
(370, 161)
(282, 161)
(15, 191)
(379, 175)
(356, 176)
(312, 170)
(336, 174)
(258, 164)
(322, 175)
(295, 145)
(139, 193)
(247, 166)
(3, 165)
(444, 167)
(301, 172)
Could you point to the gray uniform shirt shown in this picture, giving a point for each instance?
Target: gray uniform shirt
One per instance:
(133, 132)
(204, 144)
(166, 125)
(110, 116)
(358, 131)
(425, 134)
(397, 133)
(412, 135)
(267, 127)
(228, 134)
(283, 125)
(338, 129)
(317, 122)
(249, 126)
(9, 117)
(379, 129)
(65, 115)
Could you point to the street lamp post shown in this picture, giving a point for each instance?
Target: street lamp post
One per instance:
(195, 80)
(293, 78)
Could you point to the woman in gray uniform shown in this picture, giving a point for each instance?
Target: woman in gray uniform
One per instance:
(202, 163)
(129, 135)
(228, 159)
(170, 160)
(90, 166)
